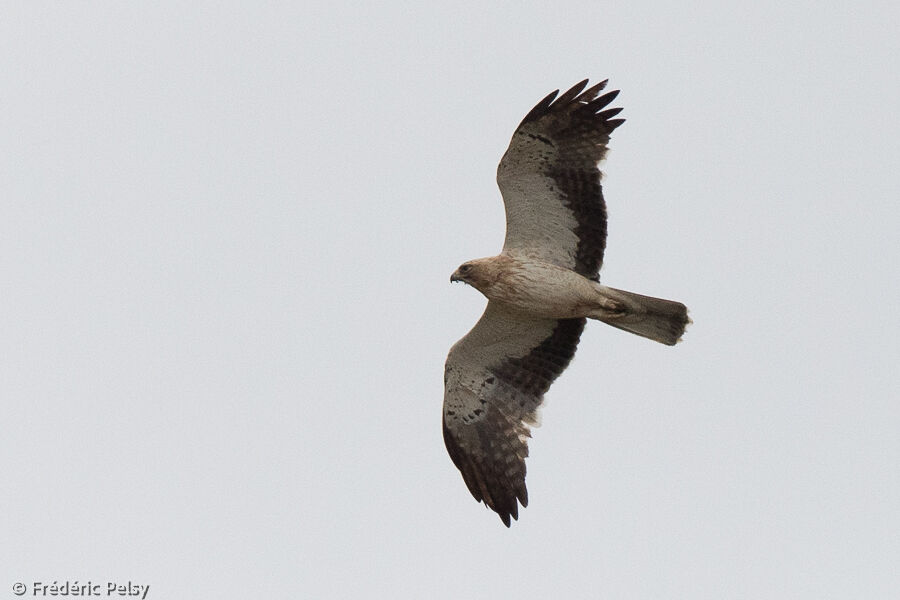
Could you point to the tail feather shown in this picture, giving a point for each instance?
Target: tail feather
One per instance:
(660, 320)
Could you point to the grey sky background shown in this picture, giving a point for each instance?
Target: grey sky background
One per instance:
(226, 234)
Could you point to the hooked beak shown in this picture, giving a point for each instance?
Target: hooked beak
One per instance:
(455, 277)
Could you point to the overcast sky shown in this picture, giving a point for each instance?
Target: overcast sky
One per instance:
(226, 235)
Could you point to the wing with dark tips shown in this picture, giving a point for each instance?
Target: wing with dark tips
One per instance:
(494, 381)
(550, 179)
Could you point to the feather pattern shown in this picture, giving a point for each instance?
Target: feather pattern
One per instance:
(495, 379)
(550, 179)
(540, 289)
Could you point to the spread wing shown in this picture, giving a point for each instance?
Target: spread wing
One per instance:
(550, 180)
(494, 381)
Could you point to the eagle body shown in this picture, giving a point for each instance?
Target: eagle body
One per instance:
(541, 289)
(534, 287)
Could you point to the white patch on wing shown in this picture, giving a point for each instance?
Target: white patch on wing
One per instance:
(470, 384)
(537, 219)
(542, 223)
(471, 393)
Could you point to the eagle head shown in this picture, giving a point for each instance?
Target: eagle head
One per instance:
(462, 273)
(480, 273)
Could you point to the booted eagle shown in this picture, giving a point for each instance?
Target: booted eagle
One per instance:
(541, 289)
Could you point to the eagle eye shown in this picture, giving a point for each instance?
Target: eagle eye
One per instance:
(465, 268)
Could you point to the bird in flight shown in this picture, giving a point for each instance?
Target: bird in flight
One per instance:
(541, 289)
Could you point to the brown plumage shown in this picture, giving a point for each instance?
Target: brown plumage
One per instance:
(541, 289)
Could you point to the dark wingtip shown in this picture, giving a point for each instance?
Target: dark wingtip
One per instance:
(602, 101)
(505, 515)
(591, 93)
(571, 93)
(541, 108)
(610, 112)
(580, 100)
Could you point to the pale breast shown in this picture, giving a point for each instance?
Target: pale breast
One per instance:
(542, 289)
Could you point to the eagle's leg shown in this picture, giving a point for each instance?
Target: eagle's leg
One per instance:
(608, 308)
